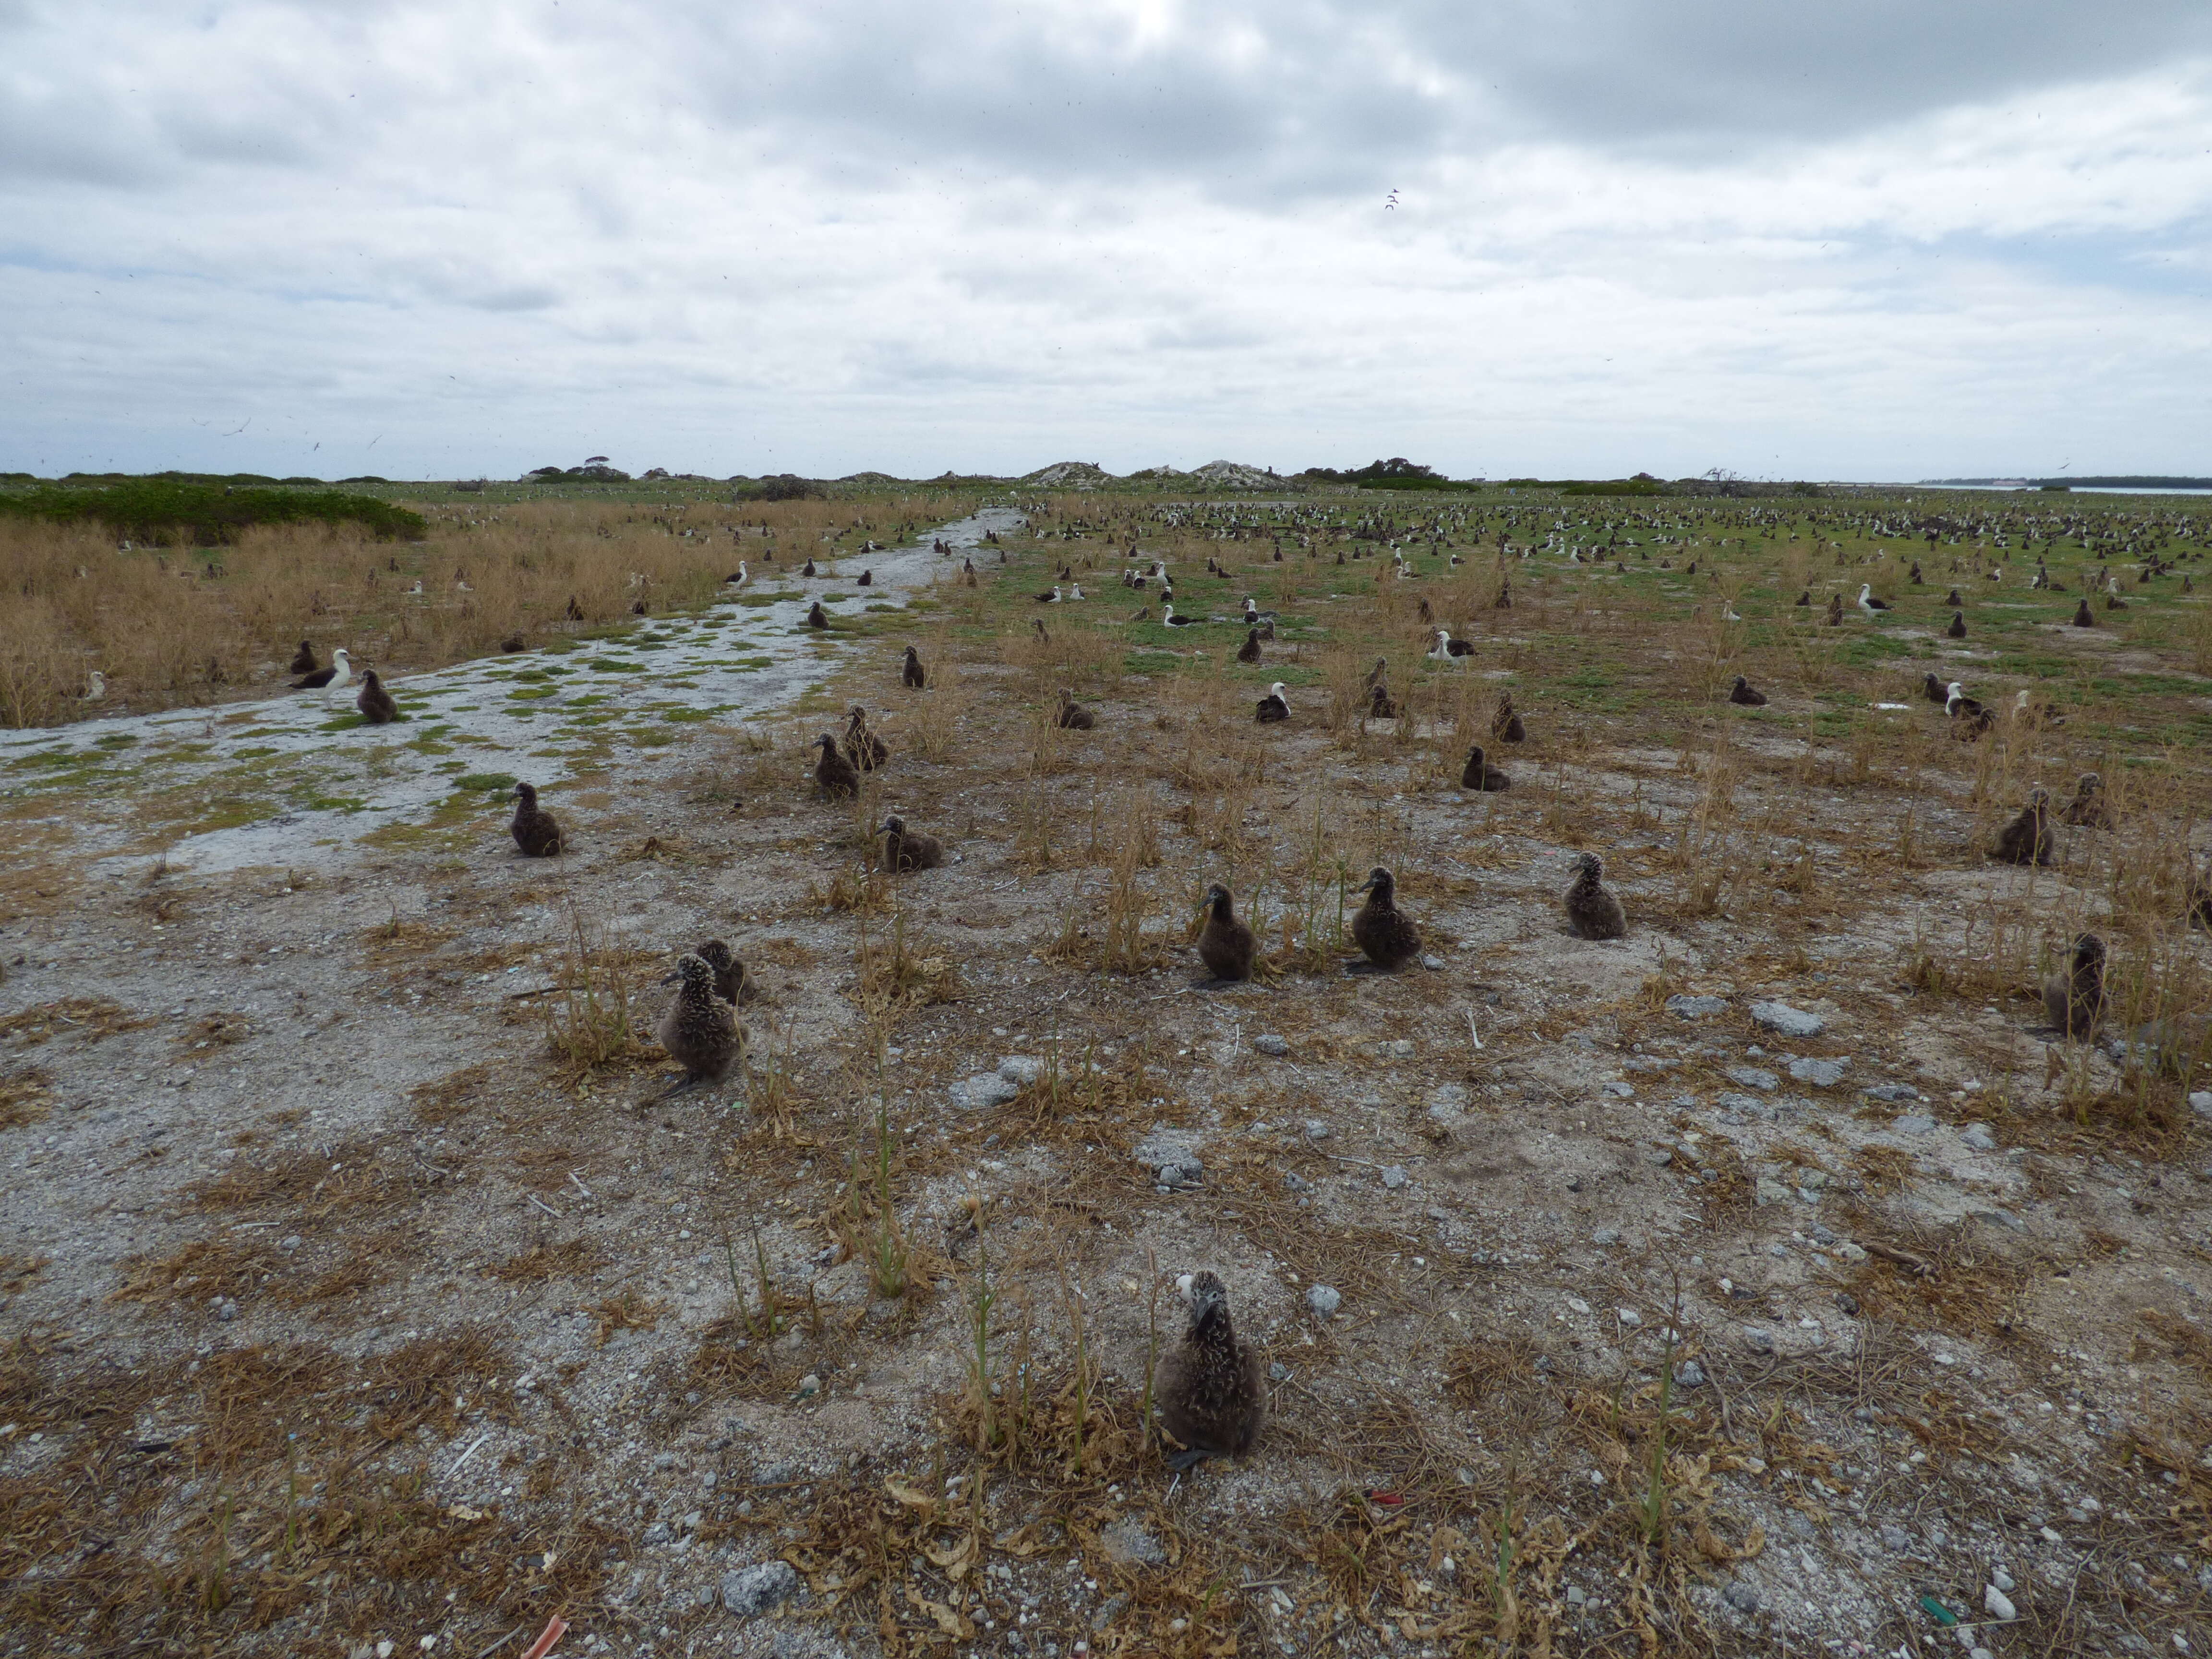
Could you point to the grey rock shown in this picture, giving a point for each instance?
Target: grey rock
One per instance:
(1395, 1177)
(2201, 1103)
(657, 1533)
(1577, 1596)
(756, 1590)
(1751, 1077)
(984, 1089)
(1850, 1252)
(1767, 1190)
(1758, 1341)
(1434, 964)
(1109, 1611)
(2001, 1579)
(2004, 1218)
(1789, 1022)
(809, 1386)
(1892, 1092)
(1278, 1372)
(225, 1308)
(1696, 1008)
(1324, 1300)
(1894, 1539)
(1689, 1374)
(1819, 1073)
(1449, 1100)
(1128, 1544)
(1914, 1123)
(1296, 1183)
(1620, 1090)
(1606, 1235)
(1741, 1597)
(1316, 1129)
(1978, 1138)
(1021, 1069)
(1659, 1157)
(1269, 1043)
(1172, 1157)
(1750, 1104)
(1396, 1049)
(1997, 1604)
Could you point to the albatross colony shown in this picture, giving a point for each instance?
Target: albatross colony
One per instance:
(380, 1275)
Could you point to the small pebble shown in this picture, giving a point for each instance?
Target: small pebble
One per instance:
(1742, 1598)
(1978, 1138)
(1396, 1176)
(809, 1386)
(2001, 1579)
(1689, 1374)
(1997, 1604)
(1269, 1043)
(1605, 1235)
(1324, 1300)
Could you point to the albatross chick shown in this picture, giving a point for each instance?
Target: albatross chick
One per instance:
(836, 774)
(376, 704)
(1212, 1396)
(1226, 945)
(1386, 933)
(535, 831)
(905, 850)
(2074, 999)
(2026, 839)
(700, 1031)
(1593, 910)
(1479, 773)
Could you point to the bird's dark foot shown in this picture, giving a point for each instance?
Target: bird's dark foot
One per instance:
(674, 1089)
(1362, 970)
(1183, 1462)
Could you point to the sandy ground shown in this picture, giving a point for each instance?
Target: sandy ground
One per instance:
(291, 1165)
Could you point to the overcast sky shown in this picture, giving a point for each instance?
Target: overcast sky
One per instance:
(1869, 238)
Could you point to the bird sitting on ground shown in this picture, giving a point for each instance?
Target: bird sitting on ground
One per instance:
(1381, 705)
(700, 1031)
(911, 674)
(1506, 725)
(534, 828)
(732, 983)
(905, 850)
(1073, 716)
(1226, 945)
(2074, 1001)
(739, 577)
(2026, 839)
(1835, 616)
(1867, 603)
(1212, 1393)
(809, 570)
(866, 578)
(1274, 707)
(815, 616)
(1386, 933)
(1250, 651)
(862, 746)
(836, 774)
(1593, 910)
(332, 678)
(303, 659)
(1377, 675)
(376, 704)
(2089, 810)
(1044, 635)
(2083, 617)
(1254, 615)
(1934, 689)
(1957, 630)
(1953, 600)
(1479, 775)
(1742, 695)
(1803, 599)
(1447, 648)
(1052, 598)
(1169, 617)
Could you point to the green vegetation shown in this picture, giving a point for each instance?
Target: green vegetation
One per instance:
(205, 514)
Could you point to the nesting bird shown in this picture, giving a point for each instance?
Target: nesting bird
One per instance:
(332, 678)
(1593, 909)
(1386, 933)
(911, 674)
(2074, 1001)
(866, 578)
(1953, 600)
(1479, 775)
(809, 571)
(376, 704)
(1742, 694)
(1957, 630)
(1835, 616)
(1226, 945)
(303, 659)
(836, 774)
(816, 618)
(95, 686)
(1447, 648)
(2083, 617)
(535, 829)
(1867, 603)
(700, 1031)
(905, 850)
(2089, 810)
(1934, 689)
(1250, 651)
(1274, 707)
(1169, 617)
(1506, 725)
(732, 983)
(1381, 705)
(862, 746)
(2026, 839)
(1073, 716)
(1211, 1395)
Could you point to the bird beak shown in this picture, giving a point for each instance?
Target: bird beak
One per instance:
(670, 979)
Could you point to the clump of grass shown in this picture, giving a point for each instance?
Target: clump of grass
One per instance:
(590, 1025)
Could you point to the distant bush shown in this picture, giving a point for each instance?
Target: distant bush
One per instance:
(207, 514)
(779, 487)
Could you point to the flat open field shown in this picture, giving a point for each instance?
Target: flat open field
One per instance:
(358, 1289)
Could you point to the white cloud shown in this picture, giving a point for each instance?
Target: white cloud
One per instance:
(1852, 240)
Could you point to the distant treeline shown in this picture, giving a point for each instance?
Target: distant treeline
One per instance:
(203, 512)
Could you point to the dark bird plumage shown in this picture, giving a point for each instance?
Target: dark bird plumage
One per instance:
(866, 578)
(1212, 1394)
(2074, 1001)
(816, 618)
(1935, 690)
(733, 982)
(1386, 933)
(375, 704)
(1479, 775)
(700, 1031)
(1226, 945)
(862, 746)
(1953, 600)
(2026, 839)
(904, 849)
(911, 673)
(1274, 707)
(1072, 716)
(1742, 694)
(2089, 810)
(303, 659)
(1593, 910)
(810, 569)
(2083, 617)
(339, 671)
(1381, 705)
(535, 830)
(1804, 598)
(1835, 616)
(1250, 651)
(836, 774)
(1376, 674)
(1957, 630)
(1506, 725)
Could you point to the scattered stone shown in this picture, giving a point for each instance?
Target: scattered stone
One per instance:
(1914, 1123)
(1820, 1073)
(1021, 1069)
(1296, 1183)
(1767, 1190)
(1850, 1252)
(1741, 1597)
(1997, 1604)
(1269, 1043)
(657, 1533)
(1172, 1157)
(809, 1386)
(1628, 1315)
(1396, 1176)
(1977, 1136)
(1606, 1235)
(1434, 964)
(1758, 1341)
(1751, 1077)
(1689, 1374)
(985, 1089)
(1128, 1544)
(1696, 1008)
(1324, 1300)
(1750, 1105)
(1895, 1539)
(1316, 1129)
(1396, 1049)
(1278, 1372)
(1449, 1100)
(1892, 1092)
(2201, 1103)
(1659, 1157)
(1998, 1218)
(1109, 1611)
(756, 1590)
(2001, 1579)
(1620, 1090)
(1790, 1022)
(225, 1308)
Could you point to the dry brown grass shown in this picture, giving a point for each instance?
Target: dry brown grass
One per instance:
(92, 1019)
(26, 1096)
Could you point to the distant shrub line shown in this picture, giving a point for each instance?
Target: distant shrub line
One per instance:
(205, 513)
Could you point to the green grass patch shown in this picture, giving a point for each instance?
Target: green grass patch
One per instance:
(206, 514)
(486, 782)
